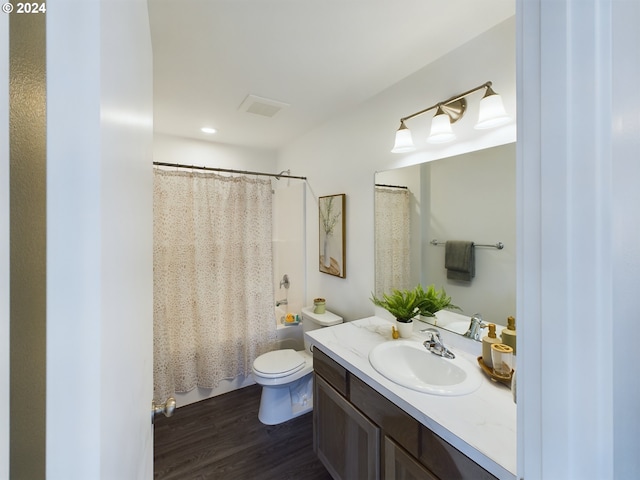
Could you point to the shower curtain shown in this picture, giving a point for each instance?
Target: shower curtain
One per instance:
(212, 269)
(392, 239)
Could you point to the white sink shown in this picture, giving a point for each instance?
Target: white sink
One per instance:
(410, 364)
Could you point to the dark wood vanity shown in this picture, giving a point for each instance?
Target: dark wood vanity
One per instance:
(359, 434)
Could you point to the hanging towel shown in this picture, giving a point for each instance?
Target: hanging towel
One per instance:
(460, 260)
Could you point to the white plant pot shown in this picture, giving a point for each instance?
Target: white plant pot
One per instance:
(405, 329)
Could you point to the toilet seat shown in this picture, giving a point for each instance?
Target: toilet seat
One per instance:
(279, 363)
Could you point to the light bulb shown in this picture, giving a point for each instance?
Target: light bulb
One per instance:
(492, 113)
(404, 141)
(441, 128)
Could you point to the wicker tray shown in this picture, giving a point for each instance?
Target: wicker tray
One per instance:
(492, 376)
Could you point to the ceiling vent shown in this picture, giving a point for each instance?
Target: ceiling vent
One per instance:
(261, 106)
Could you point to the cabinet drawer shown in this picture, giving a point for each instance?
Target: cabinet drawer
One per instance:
(446, 461)
(330, 370)
(394, 421)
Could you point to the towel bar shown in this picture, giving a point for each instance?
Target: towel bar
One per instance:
(498, 245)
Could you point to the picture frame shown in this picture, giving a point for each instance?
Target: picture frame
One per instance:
(331, 222)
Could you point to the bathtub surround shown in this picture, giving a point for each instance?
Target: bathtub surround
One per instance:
(213, 295)
(288, 243)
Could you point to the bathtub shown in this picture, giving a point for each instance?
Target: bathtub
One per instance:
(287, 336)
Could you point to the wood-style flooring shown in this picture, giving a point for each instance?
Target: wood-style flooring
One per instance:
(221, 438)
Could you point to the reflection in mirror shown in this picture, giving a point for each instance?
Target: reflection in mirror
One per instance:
(393, 231)
(468, 197)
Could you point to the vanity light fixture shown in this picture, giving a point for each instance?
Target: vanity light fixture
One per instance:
(404, 142)
(492, 114)
(441, 128)
(208, 130)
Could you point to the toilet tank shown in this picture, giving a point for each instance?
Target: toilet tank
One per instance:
(312, 321)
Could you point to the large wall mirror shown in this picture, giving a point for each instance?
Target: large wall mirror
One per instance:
(468, 197)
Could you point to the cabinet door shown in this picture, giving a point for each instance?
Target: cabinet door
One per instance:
(399, 465)
(346, 442)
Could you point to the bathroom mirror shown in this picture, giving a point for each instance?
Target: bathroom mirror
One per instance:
(465, 197)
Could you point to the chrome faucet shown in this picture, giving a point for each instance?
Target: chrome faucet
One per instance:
(284, 301)
(475, 326)
(434, 344)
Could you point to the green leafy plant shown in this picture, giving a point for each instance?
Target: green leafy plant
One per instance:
(329, 217)
(404, 305)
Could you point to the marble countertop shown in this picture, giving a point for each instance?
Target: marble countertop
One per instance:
(482, 424)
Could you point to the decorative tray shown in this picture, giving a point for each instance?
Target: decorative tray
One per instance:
(283, 320)
(493, 376)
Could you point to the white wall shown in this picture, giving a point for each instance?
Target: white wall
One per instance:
(99, 241)
(342, 155)
(578, 239)
(207, 153)
(625, 120)
(473, 197)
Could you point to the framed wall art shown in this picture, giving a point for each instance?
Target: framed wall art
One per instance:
(332, 234)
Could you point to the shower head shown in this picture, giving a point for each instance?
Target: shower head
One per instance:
(288, 172)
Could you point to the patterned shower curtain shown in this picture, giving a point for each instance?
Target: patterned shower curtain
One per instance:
(392, 239)
(212, 268)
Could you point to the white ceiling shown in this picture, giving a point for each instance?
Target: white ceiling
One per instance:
(321, 57)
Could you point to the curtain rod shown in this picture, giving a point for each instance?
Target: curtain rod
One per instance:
(391, 186)
(227, 170)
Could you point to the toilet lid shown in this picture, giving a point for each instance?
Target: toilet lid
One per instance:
(278, 363)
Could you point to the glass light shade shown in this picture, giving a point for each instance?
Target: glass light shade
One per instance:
(441, 128)
(492, 113)
(404, 141)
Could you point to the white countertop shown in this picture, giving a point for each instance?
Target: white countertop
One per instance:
(482, 425)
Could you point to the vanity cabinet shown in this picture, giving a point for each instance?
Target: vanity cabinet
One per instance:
(346, 441)
(399, 465)
(359, 434)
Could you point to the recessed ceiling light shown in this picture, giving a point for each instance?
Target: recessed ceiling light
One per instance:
(208, 130)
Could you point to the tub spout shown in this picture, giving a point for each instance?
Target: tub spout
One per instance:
(282, 302)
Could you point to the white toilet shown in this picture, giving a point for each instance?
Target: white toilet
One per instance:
(286, 375)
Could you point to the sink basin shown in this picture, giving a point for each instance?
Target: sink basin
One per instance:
(410, 364)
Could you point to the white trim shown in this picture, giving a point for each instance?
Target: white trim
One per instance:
(573, 257)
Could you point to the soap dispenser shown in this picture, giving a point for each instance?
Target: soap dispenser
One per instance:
(509, 334)
(487, 341)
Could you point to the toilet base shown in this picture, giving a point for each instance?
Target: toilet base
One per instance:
(284, 402)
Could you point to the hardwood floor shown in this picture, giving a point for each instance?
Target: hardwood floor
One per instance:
(222, 438)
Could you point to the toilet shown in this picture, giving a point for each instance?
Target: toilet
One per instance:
(286, 375)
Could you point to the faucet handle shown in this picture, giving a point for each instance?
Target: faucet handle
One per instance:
(434, 334)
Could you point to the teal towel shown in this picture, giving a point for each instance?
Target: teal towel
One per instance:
(460, 260)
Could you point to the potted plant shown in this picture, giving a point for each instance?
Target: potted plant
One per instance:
(405, 305)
